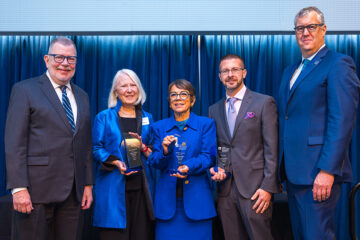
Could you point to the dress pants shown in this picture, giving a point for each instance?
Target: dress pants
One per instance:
(240, 221)
(53, 221)
(311, 219)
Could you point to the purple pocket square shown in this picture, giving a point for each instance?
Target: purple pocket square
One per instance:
(249, 115)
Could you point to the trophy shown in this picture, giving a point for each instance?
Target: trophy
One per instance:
(131, 147)
(179, 147)
(223, 160)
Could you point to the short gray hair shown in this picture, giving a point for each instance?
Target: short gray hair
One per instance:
(307, 10)
(112, 101)
(63, 41)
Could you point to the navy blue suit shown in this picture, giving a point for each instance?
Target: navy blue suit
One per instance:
(316, 119)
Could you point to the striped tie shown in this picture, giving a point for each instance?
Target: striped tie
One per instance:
(67, 108)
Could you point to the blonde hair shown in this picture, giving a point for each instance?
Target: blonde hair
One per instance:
(112, 101)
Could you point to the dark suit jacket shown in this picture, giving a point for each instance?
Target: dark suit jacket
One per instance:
(253, 147)
(317, 117)
(42, 152)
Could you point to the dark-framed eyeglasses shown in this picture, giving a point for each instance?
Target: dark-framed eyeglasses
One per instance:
(182, 95)
(61, 58)
(226, 72)
(310, 28)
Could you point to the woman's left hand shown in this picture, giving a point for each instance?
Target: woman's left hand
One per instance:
(183, 169)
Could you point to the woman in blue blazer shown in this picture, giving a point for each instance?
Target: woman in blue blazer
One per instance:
(184, 147)
(122, 199)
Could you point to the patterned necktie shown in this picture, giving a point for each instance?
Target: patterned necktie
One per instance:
(232, 114)
(67, 107)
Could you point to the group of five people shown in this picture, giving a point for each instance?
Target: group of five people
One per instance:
(49, 157)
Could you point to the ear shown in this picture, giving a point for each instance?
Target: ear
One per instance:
(193, 99)
(244, 72)
(46, 60)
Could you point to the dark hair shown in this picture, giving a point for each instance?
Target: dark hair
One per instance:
(63, 41)
(231, 56)
(183, 84)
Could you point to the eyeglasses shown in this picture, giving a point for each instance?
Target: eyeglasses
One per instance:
(310, 28)
(183, 95)
(233, 70)
(61, 58)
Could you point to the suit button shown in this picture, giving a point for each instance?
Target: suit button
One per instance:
(186, 181)
(286, 117)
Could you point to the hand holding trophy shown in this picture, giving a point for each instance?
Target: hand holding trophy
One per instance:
(178, 146)
(131, 145)
(222, 171)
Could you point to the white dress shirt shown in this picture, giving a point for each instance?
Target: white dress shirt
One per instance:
(298, 70)
(239, 95)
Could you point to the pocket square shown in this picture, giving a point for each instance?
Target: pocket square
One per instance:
(249, 115)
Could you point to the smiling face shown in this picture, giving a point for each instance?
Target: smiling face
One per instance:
(61, 73)
(232, 74)
(178, 105)
(310, 42)
(127, 91)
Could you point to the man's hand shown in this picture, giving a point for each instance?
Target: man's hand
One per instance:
(87, 198)
(322, 186)
(22, 202)
(262, 202)
(218, 176)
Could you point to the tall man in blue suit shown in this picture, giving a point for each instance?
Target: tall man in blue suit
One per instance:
(318, 102)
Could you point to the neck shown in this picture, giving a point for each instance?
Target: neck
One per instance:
(127, 111)
(181, 116)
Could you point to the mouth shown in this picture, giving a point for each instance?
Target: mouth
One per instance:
(179, 104)
(64, 70)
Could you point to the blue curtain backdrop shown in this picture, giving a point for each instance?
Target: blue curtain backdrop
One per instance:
(265, 58)
(160, 59)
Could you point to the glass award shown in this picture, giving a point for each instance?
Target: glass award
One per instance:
(223, 160)
(178, 147)
(131, 147)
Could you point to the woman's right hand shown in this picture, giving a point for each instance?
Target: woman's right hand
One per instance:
(166, 142)
(122, 167)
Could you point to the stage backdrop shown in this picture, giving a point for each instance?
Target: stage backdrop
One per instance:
(160, 59)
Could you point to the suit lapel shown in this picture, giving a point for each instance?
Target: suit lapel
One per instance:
(243, 109)
(310, 67)
(49, 91)
(223, 117)
(79, 104)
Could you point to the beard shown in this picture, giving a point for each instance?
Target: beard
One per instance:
(232, 87)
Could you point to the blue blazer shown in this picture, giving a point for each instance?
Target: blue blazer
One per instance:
(317, 117)
(200, 136)
(109, 188)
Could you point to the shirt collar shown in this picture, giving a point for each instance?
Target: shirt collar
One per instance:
(312, 56)
(54, 84)
(191, 122)
(239, 95)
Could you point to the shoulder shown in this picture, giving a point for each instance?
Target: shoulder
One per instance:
(28, 83)
(162, 123)
(260, 97)
(105, 113)
(216, 105)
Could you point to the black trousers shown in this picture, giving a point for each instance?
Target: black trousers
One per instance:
(53, 221)
(138, 223)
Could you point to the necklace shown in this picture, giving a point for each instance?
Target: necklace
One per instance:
(124, 113)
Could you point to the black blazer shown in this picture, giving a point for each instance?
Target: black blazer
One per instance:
(42, 152)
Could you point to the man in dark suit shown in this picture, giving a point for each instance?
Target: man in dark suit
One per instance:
(318, 102)
(247, 134)
(48, 150)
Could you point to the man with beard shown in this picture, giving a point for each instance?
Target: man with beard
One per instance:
(48, 150)
(246, 128)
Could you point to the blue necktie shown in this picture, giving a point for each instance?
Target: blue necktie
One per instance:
(232, 114)
(67, 107)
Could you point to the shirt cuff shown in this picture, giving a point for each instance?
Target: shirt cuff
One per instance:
(15, 190)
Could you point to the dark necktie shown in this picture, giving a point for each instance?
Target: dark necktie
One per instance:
(232, 114)
(67, 107)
